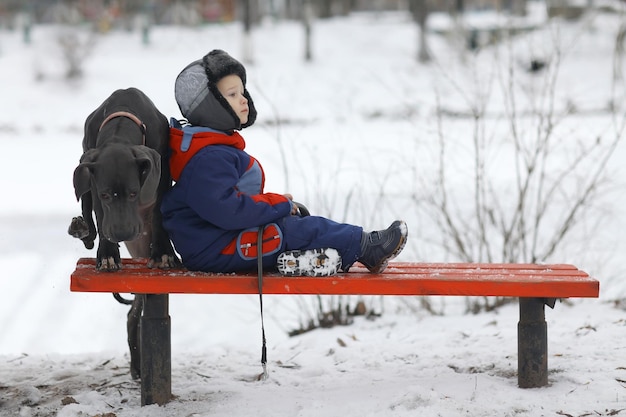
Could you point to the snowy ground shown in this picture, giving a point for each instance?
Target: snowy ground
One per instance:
(357, 120)
(399, 365)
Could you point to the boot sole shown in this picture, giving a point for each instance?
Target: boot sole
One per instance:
(321, 262)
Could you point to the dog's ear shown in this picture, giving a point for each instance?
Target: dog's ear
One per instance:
(82, 179)
(82, 173)
(149, 166)
(90, 155)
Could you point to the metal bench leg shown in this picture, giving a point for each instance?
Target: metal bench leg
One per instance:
(532, 344)
(156, 350)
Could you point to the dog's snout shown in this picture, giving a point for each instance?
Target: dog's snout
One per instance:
(122, 233)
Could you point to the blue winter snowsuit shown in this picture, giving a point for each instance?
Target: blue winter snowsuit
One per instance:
(217, 204)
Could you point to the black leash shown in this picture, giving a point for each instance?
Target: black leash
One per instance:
(259, 257)
(302, 211)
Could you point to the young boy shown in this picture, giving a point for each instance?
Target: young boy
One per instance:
(217, 206)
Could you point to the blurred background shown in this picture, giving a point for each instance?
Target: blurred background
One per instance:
(494, 128)
(108, 15)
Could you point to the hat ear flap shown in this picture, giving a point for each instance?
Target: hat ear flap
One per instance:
(217, 64)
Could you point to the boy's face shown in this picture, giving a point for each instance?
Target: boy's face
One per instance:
(231, 87)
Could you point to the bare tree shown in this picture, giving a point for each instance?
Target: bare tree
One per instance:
(325, 8)
(307, 22)
(75, 47)
(247, 28)
(518, 7)
(555, 179)
(419, 11)
(618, 54)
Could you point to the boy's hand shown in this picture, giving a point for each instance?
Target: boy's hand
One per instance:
(294, 207)
(301, 211)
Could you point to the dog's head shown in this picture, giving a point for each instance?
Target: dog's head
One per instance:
(123, 179)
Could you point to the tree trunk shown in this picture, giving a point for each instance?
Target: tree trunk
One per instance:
(247, 26)
(518, 7)
(307, 21)
(419, 10)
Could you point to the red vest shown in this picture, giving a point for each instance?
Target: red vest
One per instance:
(179, 157)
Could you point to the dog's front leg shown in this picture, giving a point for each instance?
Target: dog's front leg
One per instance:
(86, 203)
(162, 253)
(108, 255)
(83, 227)
(108, 258)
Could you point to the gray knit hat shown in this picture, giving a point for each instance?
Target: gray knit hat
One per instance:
(200, 101)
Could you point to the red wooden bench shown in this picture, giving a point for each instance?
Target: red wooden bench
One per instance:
(534, 285)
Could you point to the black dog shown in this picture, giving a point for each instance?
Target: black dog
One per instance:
(122, 176)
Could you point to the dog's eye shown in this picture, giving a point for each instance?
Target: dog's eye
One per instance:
(132, 196)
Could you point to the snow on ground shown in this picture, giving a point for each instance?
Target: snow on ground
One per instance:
(337, 132)
(398, 365)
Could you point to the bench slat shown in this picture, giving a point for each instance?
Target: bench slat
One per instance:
(400, 278)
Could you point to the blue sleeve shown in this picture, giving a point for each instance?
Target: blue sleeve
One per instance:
(211, 179)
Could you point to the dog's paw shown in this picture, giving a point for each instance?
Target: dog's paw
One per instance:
(78, 228)
(108, 265)
(165, 261)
